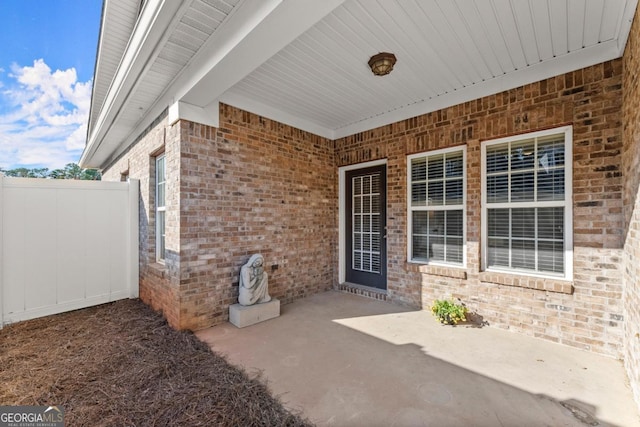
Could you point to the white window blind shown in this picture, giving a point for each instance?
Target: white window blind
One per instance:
(160, 208)
(526, 205)
(366, 223)
(436, 206)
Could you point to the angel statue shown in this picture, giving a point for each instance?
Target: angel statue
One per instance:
(253, 282)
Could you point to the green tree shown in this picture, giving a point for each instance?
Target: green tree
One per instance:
(70, 171)
(73, 171)
(91, 175)
(27, 173)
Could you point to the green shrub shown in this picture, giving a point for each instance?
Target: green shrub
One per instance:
(448, 312)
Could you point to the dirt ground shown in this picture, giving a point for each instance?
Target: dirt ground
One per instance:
(121, 364)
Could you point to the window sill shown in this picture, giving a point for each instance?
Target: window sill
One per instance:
(437, 270)
(530, 282)
(158, 268)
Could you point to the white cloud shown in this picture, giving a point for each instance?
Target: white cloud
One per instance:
(77, 139)
(43, 117)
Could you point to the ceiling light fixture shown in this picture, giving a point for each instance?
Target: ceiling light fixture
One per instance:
(382, 63)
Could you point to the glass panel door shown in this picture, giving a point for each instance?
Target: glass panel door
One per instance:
(366, 227)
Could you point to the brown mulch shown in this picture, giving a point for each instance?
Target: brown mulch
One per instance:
(120, 364)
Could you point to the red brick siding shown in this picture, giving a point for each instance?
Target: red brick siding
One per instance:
(585, 316)
(631, 198)
(159, 284)
(253, 185)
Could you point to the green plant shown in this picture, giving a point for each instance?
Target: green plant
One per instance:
(449, 312)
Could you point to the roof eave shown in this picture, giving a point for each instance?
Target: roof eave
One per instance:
(151, 28)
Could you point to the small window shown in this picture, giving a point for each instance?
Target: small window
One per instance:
(160, 208)
(527, 203)
(436, 214)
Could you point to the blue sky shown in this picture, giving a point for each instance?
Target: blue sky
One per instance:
(47, 57)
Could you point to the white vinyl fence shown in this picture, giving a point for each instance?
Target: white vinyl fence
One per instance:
(65, 244)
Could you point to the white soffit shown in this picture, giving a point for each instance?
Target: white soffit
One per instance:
(118, 20)
(449, 51)
(183, 55)
(304, 62)
(196, 21)
(166, 36)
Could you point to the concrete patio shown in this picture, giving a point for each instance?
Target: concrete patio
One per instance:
(346, 360)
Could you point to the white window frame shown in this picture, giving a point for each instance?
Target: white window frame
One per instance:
(342, 212)
(159, 256)
(411, 209)
(567, 203)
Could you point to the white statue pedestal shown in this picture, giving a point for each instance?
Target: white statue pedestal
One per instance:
(247, 315)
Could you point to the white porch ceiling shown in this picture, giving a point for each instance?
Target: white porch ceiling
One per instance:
(304, 62)
(448, 51)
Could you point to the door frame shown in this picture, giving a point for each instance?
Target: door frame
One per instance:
(342, 222)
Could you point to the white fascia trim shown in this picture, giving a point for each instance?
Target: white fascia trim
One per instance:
(242, 20)
(342, 221)
(534, 73)
(231, 53)
(151, 28)
(246, 15)
(98, 63)
(624, 27)
(208, 115)
(258, 30)
(111, 11)
(270, 112)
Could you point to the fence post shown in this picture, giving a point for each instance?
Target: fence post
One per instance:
(134, 252)
(2, 269)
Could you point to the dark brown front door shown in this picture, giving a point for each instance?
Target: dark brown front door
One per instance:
(366, 232)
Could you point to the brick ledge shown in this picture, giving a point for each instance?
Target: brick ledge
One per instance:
(529, 282)
(437, 270)
(158, 268)
(364, 291)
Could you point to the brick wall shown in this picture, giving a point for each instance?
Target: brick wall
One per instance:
(586, 313)
(253, 185)
(159, 284)
(631, 183)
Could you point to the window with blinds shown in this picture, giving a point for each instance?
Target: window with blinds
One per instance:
(436, 185)
(527, 208)
(160, 184)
